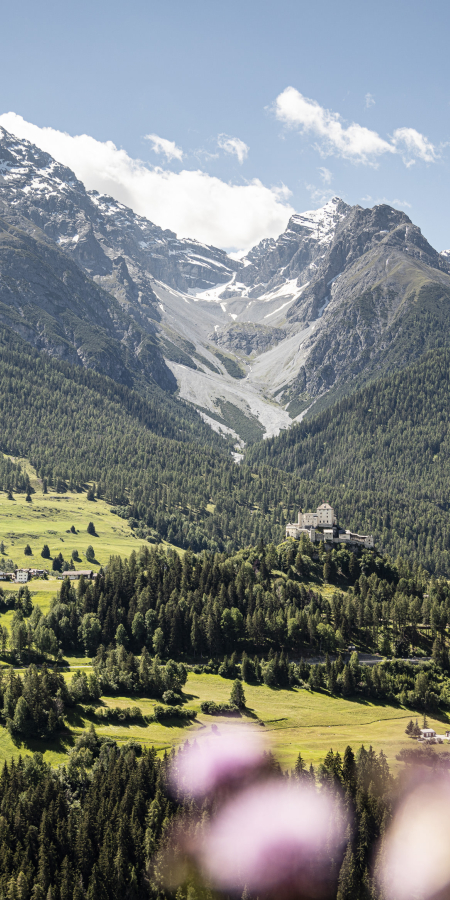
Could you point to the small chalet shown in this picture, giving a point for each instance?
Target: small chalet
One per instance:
(427, 733)
(74, 575)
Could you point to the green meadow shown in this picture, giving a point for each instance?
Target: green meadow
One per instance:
(48, 520)
(289, 721)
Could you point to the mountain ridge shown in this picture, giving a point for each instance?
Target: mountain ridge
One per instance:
(341, 296)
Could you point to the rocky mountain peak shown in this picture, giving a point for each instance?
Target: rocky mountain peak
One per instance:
(319, 224)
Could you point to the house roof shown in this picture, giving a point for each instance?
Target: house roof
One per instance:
(324, 506)
(78, 572)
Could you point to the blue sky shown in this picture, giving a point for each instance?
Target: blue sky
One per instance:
(234, 151)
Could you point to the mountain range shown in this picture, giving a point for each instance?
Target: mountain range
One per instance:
(342, 297)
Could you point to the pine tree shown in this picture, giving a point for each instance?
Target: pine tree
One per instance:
(348, 880)
(237, 696)
(300, 767)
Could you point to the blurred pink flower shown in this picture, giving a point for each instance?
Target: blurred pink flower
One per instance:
(415, 859)
(215, 761)
(274, 834)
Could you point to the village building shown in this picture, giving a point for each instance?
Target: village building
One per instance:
(22, 576)
(427, 734)
(322, 525)
(30, 573)
(74, 575)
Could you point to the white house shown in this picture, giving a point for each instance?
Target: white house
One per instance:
(427, 733)
(22, 575)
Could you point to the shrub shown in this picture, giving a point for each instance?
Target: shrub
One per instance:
(162, 712)
(210, 708)
(171, 697)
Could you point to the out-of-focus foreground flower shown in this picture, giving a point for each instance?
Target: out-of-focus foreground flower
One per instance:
(416, 854)
(216, 761)
(272, 835)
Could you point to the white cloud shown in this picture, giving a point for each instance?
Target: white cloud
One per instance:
(370, 100)
(234, 146)
(162, 145)
(353, 142)
(325, 175)
(413, 144)
(319, 195)
(192, 203)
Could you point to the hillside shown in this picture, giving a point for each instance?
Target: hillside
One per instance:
(175, 479)
(392, 440)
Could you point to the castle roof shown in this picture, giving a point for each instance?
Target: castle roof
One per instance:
(324, 506)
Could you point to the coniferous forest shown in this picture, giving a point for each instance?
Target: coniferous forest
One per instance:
(101, 825)
(380, 457)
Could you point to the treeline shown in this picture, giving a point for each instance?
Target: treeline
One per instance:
(34, 703)
(211, 604)
(97, 828)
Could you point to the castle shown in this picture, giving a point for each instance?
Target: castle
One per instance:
(322, 525)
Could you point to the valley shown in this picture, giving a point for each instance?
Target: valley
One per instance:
(186, 403)
(342, 296)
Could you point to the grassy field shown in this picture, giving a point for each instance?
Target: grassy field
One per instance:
(293, 720)
(48, 520)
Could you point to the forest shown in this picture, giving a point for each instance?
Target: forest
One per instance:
(252, 616)
(380, 457)
(99, 827)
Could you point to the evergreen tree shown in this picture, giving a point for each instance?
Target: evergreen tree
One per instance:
(348, 877)
(237, 696)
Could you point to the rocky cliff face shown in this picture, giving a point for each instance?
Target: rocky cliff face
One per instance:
(306, 240)
(356, 291)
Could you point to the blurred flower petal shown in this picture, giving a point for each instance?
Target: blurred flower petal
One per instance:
(271, 835)
(416, 855)
(215, 761)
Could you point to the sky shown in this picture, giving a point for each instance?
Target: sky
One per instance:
(218, 120)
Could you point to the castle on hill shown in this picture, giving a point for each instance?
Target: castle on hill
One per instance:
(322, 525)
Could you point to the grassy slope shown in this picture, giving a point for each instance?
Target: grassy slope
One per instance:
(48, 518)
(294, 720)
